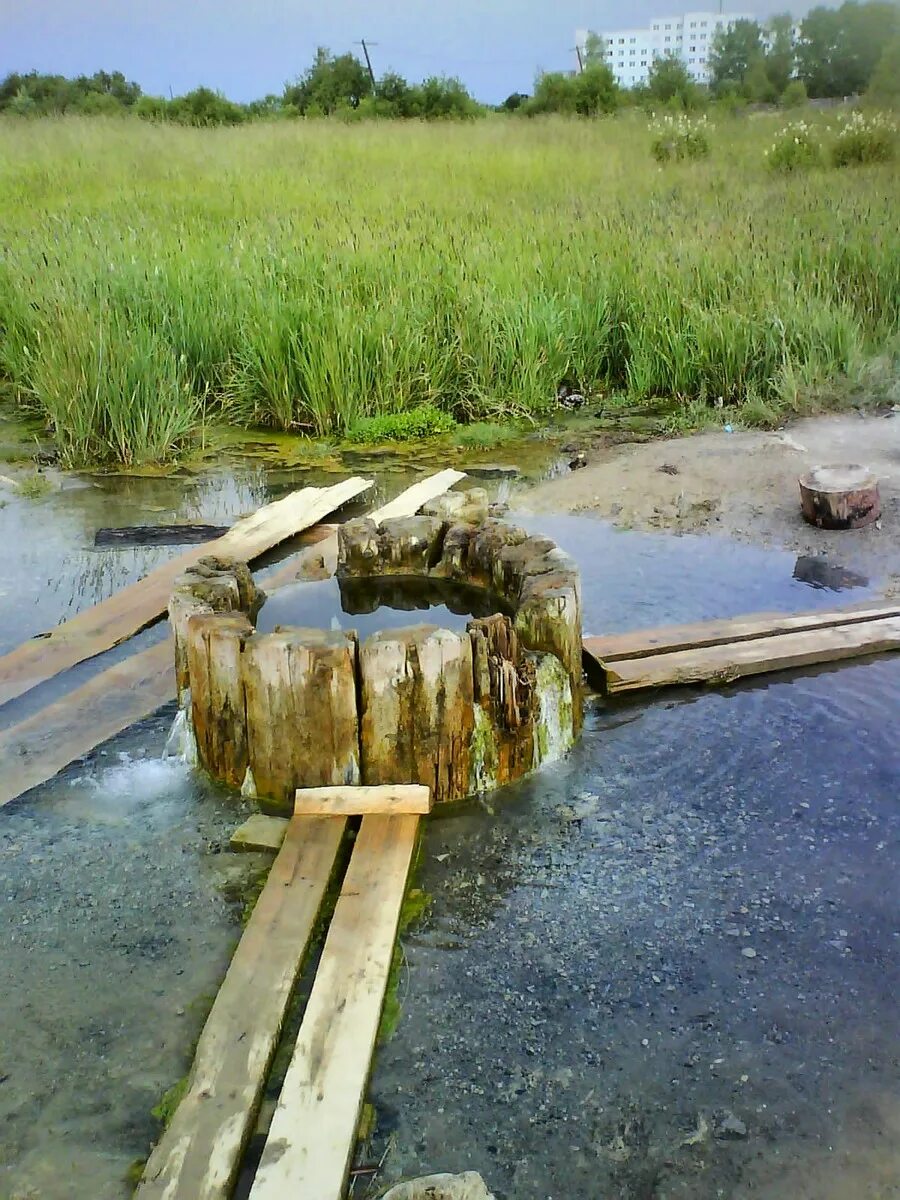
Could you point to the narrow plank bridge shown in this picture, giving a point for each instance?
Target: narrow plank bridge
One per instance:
(313, 1131)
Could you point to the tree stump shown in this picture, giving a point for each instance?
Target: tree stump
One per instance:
(840, 497)
(300, 701)
(214, 647)
(417, 713)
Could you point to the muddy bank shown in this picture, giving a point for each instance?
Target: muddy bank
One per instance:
(742, 485)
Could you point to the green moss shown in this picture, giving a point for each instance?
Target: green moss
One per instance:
(484, 435)
(483, 754)
(165, 1110)
(416, 903)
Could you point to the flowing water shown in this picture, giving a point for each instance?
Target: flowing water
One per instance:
(664, 967)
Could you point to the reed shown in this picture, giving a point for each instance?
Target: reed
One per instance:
(305, 275)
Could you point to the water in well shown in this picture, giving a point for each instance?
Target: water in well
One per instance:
(371, 605)
(663, 968)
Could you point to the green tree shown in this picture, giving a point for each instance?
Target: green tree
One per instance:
(329, 83)
(395, 97)
(443, 96)
(839, 49)
(514, 101)
(734, 51)
(884, 90)
(670, 81)
(780, 59)
(596, 90)
(204, 107)
(594, 50)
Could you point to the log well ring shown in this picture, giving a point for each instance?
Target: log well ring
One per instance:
(461, 712)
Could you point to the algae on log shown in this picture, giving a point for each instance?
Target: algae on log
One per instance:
(215, 644)
(549, 618)
(417, 714)
(210, 585)
(300, 700)
(558, 717)
(505, 704)
(398, 546)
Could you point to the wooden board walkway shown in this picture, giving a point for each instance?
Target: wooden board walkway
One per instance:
(199, 1155)
(722, 651)
(313, 1132)
(36, 749)
(135, 607)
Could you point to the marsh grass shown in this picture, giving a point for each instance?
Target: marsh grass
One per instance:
(306, 276)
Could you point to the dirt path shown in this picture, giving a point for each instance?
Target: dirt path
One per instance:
(743, 485)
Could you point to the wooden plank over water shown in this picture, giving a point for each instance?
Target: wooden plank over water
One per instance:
(135, 607)
(642, 643)
(313, 1132)
(407, 504)
(199, 1155)
(734, 660)
(36, 749)
(358, 801)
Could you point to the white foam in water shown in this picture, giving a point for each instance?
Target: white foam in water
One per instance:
(181, 744)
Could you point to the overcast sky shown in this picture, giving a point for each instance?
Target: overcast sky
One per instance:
(246, 48)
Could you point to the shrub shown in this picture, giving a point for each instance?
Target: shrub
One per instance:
(864, 139)
(422, 422)
(794, 95)
(484, 435)
(796, 147)
(678, 137)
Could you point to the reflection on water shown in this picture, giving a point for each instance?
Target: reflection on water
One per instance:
(370, 605)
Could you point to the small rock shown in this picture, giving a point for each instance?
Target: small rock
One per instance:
(467, 1186)
(730, 1126)
(669, 469)
(748, 952)
(580, 460)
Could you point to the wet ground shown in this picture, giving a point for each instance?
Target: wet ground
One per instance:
(666, 967)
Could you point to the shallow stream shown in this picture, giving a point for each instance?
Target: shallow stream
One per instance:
(582, 1013)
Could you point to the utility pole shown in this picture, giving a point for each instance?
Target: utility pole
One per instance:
(368, 60)
(577, 50)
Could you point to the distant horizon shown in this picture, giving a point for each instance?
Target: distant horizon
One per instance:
(170, 48)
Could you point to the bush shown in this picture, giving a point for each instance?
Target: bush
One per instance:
(677, 137)
(864, 139)
(794, 95)
(795, 148)
(423, 422)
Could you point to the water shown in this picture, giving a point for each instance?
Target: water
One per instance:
(576, 1007)
(371, 605)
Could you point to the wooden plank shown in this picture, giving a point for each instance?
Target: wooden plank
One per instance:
(641, 643)
(35, 749)
(199, 1155)
(259, 832)
(72, 727)
(722, 664)
(407, 504)
(357, 801)
(133, 608)
(313, 1132)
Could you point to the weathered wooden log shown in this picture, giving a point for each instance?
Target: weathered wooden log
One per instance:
(417, 714)
(300, 701)
(210, 585)
(398, 546)
(214, 649)
(840, 497)
(549, 619)
(504, 695)
(159, 535)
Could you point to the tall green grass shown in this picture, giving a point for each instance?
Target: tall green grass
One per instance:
(306, 275)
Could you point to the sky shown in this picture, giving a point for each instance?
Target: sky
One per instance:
(246, 48)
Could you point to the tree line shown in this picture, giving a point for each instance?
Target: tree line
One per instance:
(839, 52)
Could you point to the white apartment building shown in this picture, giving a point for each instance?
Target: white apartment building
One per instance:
(630, 52)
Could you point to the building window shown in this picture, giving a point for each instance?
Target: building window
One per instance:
(693, 49)
(702, 24)
(693, 24)
(668, 39)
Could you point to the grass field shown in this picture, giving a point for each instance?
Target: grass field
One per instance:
(306, 274)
